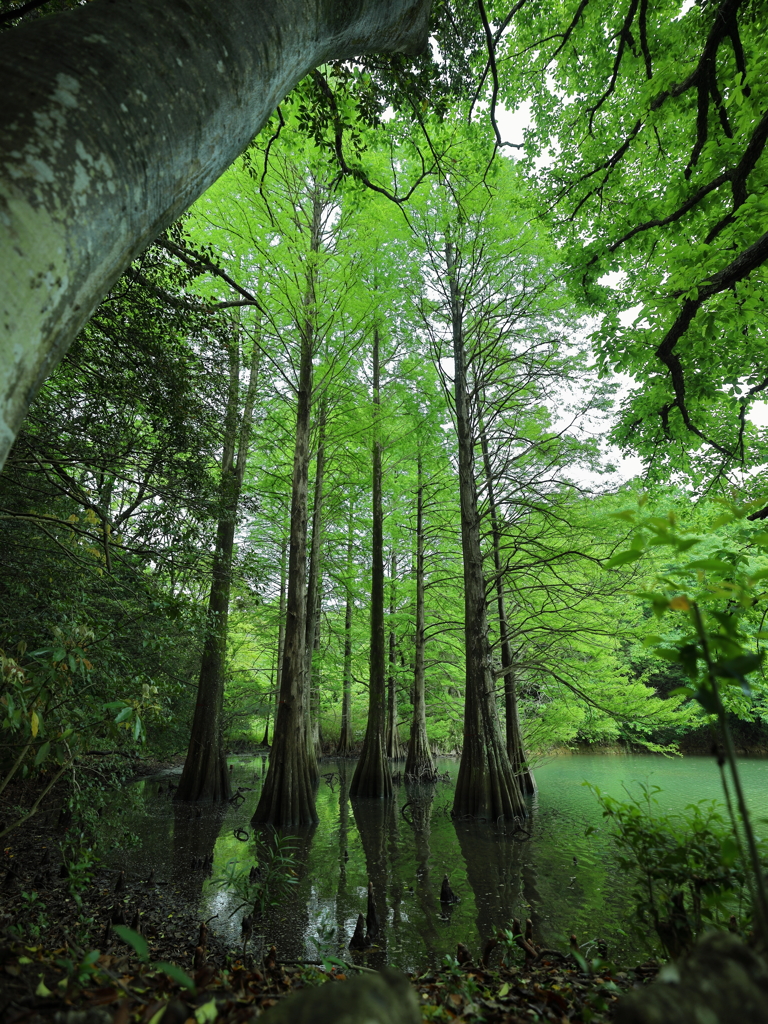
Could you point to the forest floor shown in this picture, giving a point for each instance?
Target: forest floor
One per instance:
(61, 960)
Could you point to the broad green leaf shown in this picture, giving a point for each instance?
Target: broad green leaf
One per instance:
(133, 939)
(177, 974)
(709, 564)
(42, 753)
(623, 558)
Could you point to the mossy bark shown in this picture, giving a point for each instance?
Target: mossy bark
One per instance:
(103, 151)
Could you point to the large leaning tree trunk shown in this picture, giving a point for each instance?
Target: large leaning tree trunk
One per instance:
(205, 777)
(514, 735)
(486, 786)
(314, 597)
(372, 776)
(418, 762)
(288, 794)
(115, 117)
(344, 748)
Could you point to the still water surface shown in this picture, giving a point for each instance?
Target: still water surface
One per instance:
(406, 847)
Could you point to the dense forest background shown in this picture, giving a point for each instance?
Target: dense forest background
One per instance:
(384, 328)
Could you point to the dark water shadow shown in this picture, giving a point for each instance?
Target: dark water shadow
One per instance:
(417, 812)
(499, 874)
(377, 826)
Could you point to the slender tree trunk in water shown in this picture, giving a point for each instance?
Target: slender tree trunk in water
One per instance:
(314, 584)
(419, 763)
(486, 786)
(345, 738)
(514, 736)
(205, 778)
(288, 793)
(394, 747)
(372, 776)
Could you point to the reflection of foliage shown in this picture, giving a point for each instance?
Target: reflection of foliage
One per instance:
(266, 883)
(688, 868)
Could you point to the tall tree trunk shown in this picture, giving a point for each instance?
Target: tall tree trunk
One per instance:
(280, 628)
(275, 665)
(288, 794)
(372, 776)
(419, 763)
(486, 786)
(101, 153)
(205, 777)
(514, 736)
(314, 585)
(394, 747)
(344, 747)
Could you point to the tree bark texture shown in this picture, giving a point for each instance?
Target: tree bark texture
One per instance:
(514, 736)
(486, 786)
(372, 776)
(394, 747)
(314, 595)
(418, 762)
(288, 794)
(280, 627)
(205, 777)
(115, 117)
(344, 748)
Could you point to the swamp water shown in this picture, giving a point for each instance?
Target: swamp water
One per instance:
(407, 846)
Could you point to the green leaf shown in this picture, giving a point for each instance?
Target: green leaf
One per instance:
(689, 655)
(177, 974)
(133, 939)
(668, 654)
(738, 668)
(622, 558)
(707, 699)
(42, 753)
(206, 1013)
(710, 564)
(652, 640)
(729, 851)
(124, 714)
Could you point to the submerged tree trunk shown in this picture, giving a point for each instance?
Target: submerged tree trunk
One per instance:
(101, 153)
(205, 777)
(514, 736)
(344, 747)
(419, 763)
(372, 776)
(314, 597)
(486, 786)
(288, 794)
(394, 747)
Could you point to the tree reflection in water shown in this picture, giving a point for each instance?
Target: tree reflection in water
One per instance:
(500, 875)
(377, 826)
(418, 811)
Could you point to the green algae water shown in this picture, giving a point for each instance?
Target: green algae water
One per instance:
(561, 871)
